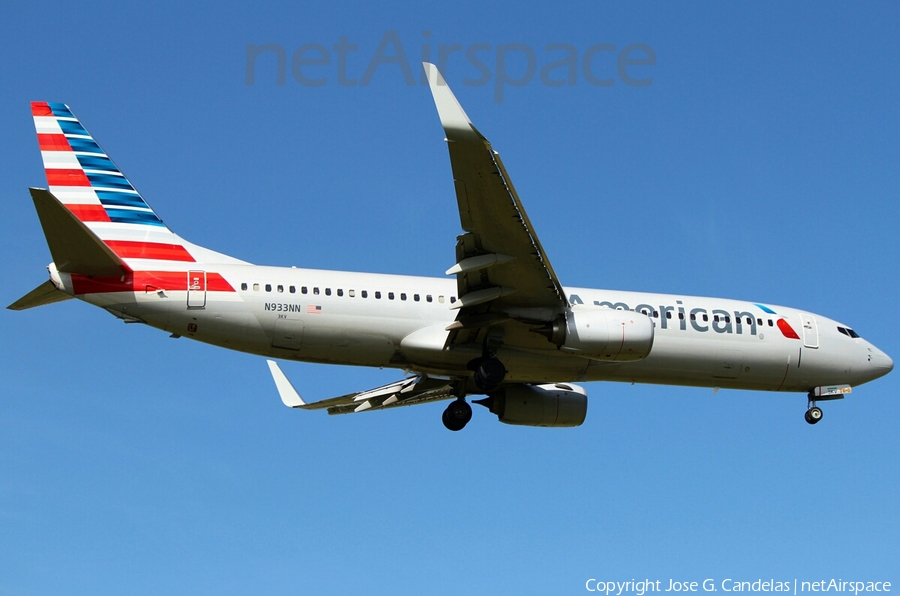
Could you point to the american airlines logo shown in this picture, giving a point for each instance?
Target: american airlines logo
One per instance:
(700, 318)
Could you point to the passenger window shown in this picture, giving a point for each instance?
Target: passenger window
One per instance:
(770, 323)
(416, 297)
(351, 293)
(759, 322)
(378, 295)
(693, 317)
(390, 295)
(681, 316)
(244, 286)
(706, 318)
(428, 298)
(441, 299)
(316, 291)
(364, 293)
(293, 289)
(255, 287)
(452, 299)
(303, 290)
(403, 296)
(268, 287)
(749, 321)
(340, 292)
(716, 318)
(668, 314)
(655, 314)
(280, 289)
(328, 291)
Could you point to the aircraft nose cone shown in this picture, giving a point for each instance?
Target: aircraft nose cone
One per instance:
(881, 360)
(880, 363)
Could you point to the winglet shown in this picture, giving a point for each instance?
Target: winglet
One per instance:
(453, 117)
(289, 395)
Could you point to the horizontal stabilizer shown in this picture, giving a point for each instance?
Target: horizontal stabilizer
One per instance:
(74, 247)
(46, 293)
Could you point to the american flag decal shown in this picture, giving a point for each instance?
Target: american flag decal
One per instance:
(313, 309)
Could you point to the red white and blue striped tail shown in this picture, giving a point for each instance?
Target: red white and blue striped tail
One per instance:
(83, 178)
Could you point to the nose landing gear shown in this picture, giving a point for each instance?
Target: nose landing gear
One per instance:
(824, 393)
(813, 414)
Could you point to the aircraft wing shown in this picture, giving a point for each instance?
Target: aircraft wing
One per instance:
(409, 391)
(501, 268)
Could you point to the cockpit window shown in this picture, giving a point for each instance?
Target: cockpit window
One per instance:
(848, 332)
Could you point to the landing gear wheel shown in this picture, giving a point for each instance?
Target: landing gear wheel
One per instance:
(457, 415)
(813, 415)
(489, 373)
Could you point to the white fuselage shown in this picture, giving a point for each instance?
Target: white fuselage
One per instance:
(399, 321)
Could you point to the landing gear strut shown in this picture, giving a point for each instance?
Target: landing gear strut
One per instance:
(813, 413)
(457, 414)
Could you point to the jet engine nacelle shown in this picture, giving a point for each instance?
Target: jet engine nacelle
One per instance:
(604, 334)
(554, 405)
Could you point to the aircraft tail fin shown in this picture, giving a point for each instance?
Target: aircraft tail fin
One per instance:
(46, 293)
(83, 178)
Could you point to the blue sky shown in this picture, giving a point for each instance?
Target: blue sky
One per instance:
(761, 163)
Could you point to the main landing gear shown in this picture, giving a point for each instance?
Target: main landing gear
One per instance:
(813, 413)
(457, 414)
(489, 373)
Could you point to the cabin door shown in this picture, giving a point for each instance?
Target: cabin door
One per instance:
(196, 289)
(810, 331)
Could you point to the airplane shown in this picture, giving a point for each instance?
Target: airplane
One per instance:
(501, 327)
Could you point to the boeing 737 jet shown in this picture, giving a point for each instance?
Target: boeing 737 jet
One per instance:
(501, 326)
